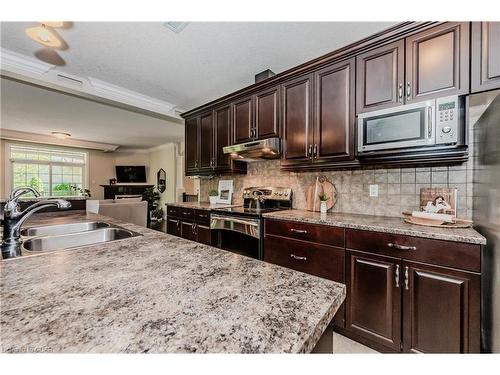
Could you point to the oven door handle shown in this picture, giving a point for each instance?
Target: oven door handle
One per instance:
(235, 220)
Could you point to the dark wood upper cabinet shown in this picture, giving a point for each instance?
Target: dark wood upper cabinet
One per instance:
(437, 62)
(373, 305)
(296, 108)
(267, 113)
(485, 56)
(242, 120)
(191, 144)
(380, 77)
(441, 310)
(334, 116)
(206, 140)
(222, 128)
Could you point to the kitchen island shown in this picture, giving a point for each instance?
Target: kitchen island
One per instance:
(158, 293)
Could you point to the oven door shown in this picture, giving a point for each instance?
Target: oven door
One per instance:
(410, 125)
(240, 235)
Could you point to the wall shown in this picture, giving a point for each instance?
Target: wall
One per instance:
(164, 157)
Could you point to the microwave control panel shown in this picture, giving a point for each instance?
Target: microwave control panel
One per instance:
(447, 120)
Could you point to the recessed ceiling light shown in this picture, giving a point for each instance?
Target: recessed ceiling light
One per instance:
(45, 36)
(175, 26)
(61, 135)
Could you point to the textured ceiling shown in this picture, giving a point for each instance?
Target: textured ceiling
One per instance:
(37, 110)
(205, 61)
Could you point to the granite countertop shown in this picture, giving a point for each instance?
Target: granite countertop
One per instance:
(158, 293)
(202, 205)
(384, 224)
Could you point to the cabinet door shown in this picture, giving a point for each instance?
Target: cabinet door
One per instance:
(191, 143)
(334, 112)
(440, 309)
(242, 120)
(266, 113)
(203, 234)
(374, 298)
(188, 231)
(174, 227)
(222, 118)
(380, 77)
(485, 56)
(206, 140)
(296, 96)
(437, 62)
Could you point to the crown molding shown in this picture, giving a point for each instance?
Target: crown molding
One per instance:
(31, 70)
(13, 61)
(15, 135)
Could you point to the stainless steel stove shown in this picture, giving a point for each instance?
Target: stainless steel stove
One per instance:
(240, 229)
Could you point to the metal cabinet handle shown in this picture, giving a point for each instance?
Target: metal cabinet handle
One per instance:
(309, 151)
(400, 93)
(298, 231)
(178, 224)
(406, 278)
(315, 152)
(396, 275)
(401, 247)
(193, 229)
(408, 90)
(297, 257)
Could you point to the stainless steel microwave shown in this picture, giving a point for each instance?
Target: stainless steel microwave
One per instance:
(427, 123)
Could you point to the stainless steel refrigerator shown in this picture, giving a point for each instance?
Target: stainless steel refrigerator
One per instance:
(484, 124)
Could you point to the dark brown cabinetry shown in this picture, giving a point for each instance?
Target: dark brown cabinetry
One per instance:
(485, 56)
(380, 77)
(192, 129)
(318, 116)
(374, 298)
(206, 136)
(256, 116)
(437, 62)
(441, 309)
(398, 303)
(188, 223)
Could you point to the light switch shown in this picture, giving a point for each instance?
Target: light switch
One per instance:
(373, 190)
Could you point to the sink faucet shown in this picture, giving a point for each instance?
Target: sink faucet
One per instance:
(14, 218)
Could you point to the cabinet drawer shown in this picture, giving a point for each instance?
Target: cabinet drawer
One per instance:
(322, 234)
(438, 252)
(315, 259)
(202, 217)
(180, 212)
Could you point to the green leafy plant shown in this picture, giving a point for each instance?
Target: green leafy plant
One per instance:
(37, 184)
(213, 193)
(152, 196)
(83, 192)
(323, 197)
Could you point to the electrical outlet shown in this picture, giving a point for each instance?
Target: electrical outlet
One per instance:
(373, 190)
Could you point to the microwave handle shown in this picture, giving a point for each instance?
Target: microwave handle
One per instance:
(430, 122)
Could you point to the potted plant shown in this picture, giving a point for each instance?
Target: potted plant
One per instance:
(322, 203)
(152, 196)
(212, 196)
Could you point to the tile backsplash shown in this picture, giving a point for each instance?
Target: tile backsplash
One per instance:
(398, 189)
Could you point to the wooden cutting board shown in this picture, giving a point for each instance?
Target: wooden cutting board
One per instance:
(319, 187)
(459, 223)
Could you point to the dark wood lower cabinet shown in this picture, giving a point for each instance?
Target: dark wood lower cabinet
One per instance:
(203, 234)
(187, 231)
(174, 227)
(191, 224)
(441, 310)
(374, 298)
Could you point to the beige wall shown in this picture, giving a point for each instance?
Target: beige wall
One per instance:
(102, 168)
(164, 157)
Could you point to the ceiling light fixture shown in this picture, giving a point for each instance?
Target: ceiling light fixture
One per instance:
(61, 135)
(44, 35)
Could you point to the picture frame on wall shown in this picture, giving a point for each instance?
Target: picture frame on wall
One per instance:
(225, 192)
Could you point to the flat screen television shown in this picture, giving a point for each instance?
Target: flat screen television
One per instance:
(130, 174)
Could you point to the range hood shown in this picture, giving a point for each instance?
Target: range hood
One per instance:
(255, 151)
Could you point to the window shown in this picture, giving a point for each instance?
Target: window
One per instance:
(53, 172)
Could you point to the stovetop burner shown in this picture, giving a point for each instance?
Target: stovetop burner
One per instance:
(260, 200)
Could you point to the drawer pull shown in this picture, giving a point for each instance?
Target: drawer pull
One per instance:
(297, 257)
(406, 278)
(396, 276)
(401, 247)
(301, 231)
(185, 213)
(200, 215)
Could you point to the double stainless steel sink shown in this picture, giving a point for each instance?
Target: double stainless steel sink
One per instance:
(72, 235)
